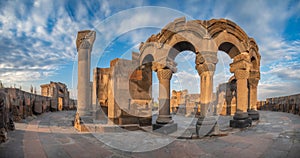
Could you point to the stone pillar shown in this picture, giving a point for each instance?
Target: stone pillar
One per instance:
(242, 89)
(205, 65)
(164, 77)
(241, 67)
(253, 82)
(164, 123)
(84, 43)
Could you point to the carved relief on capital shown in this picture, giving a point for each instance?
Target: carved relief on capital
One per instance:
(167, 64)
(205, 67)
(85, 39)
(253, 82)
(255, 74)
(240, 65)
(164, 74)
(241, 74)
(243, 56)
(206, 61)
(206, 57)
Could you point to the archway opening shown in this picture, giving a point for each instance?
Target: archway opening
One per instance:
(224, 81)
(180, 47)
(185, 82)
(254, 63)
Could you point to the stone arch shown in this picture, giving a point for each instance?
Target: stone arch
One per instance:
(178, 32)
(180, 47)
(204, 38)
(227, 36)
(148, 59)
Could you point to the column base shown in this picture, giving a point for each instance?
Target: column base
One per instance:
(240, 120)
(206, 126)
(164, 128)
(253, 114)
(164, 119)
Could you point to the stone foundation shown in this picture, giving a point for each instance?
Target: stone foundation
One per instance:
(165, 128)
(240, 120)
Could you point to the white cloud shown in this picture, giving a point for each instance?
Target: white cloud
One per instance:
(29, 45)
(186, 80)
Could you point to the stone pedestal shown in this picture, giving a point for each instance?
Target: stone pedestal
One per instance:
(253, 114)
(240, 120)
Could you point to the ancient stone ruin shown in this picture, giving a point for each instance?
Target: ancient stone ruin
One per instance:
(123, 91)
(59, 94)
(16, 104)
(289, 104)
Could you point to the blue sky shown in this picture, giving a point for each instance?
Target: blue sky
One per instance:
(37, 38)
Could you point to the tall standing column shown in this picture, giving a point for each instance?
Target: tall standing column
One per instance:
(164, 77)
(242, 89)
(205, 65)
(253, 82)
(84, 43)
(164, 123)
(241, 69)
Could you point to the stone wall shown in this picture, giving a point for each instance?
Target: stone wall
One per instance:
(59, 94)
(16, 104)
(123, 92)
(184, 103)
(289, 104)
(226, 99)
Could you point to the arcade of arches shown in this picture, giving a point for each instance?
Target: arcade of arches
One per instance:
(127, 83)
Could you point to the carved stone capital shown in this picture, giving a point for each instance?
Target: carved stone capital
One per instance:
(255, 74)
(241, 74)
(205, 67)
(240, 65)
(171, 65)
(243, 56)
(164, 74)
(206, 61)
(85, 39)
(253, 82)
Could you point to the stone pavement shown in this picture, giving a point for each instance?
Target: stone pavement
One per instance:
(277, 134)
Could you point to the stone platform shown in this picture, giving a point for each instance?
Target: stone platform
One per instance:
(276, 134)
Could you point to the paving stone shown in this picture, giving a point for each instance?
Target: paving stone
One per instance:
(52, 135)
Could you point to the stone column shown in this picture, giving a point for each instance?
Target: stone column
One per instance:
(205, 65)
(84, 43)
(242, 89)
(241, 67)
(164, 122)
(164, 77)
(253, 82)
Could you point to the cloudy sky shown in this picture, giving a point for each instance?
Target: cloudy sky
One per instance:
(37, 38)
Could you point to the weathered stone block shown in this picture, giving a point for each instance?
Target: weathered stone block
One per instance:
(165, 128)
